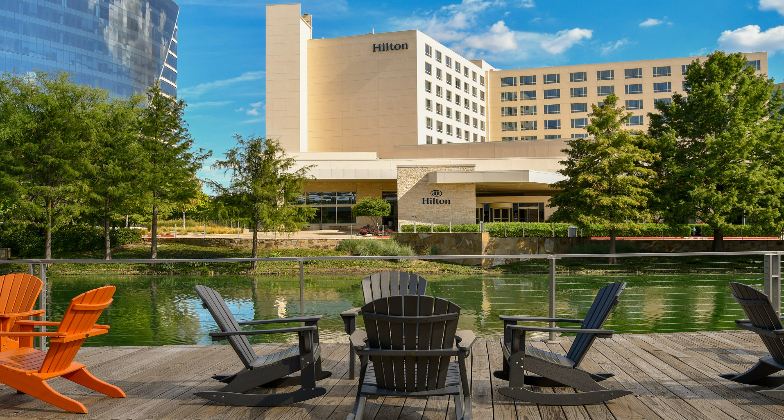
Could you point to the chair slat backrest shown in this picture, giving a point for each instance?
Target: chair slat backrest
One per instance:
(760, 312)
(18, 293)
(80, 317)
(411, 322)
(392, 283)
(214, 303)
(602, 306)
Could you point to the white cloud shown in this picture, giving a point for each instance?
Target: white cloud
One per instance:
(651, 22)
(613, 46)
(253, 111)
(699, 53)
(565, 39)
(208, 104)
(498, 39)
(751, 38)
(203, 88)
(526, 3)
(777, 5)
(257, 104)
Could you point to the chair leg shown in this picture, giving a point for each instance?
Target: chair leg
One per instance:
(352, 354)
(758, 372)
(459, 405)
(39, 389)
(86, 379)
(359, 408)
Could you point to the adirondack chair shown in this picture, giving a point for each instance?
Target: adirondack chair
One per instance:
(18, 293)
(376, 286)
(555, 370)
(407, 352)
(270, 370)
(764, 321)
(27, 369)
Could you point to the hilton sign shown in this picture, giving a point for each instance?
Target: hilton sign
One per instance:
(390, 47)
(435, 198)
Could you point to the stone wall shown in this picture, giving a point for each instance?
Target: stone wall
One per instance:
(242, 243)
(5, 253)
(421, 202)
(447, 244)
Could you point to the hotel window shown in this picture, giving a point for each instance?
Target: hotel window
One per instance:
(528, 110)
(482, 110)
(579, 92)
(449, 129)
(579, 136)
(482, 125)
(605, 75)
(475, 137)
(552, 124)
(473, 90)
(634, 104)
(438, 56)
(428, 104)
(428, 50)
(457, 132)
(481, 95)
(457, 67)
(332, 207)
(508, 138)
(528, 95)
(476, 123)
(467, 120)
(473, 76)
(579, 107)
(605, 90)
(428, 139)
(457, 115)
(428, 68)
(439, 126)
(684, 68)
(662, 87)
(429, 123)
(529, 138)
(449, 61)
(438, 73)
(634, 89)
(465, 87)
(579, 76)
(551, 78)
(457, 83)
(552, 93)
(449, 79)
(481, 80)
(482, 138)
(633, 73)
(467, 135)
(661, 71)
(440, 141)
(527, 125)
(579, 122)
(601, 104)
(508, 96)
(635, 120)
(465, 71)
(473, 106)
(552, 109)
(665, 101)
(448, 112)
(552, 136)
(457, 99)
(683, 86)
(439, 109)
(449, 95)
(439, 91)
(428, 86)
(528, 80)
(466, 103)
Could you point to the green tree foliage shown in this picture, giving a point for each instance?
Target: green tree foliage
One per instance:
(373, 207)
(169, 165)
(721, 148)
(47, 126)
(608, 174)
(265, 187)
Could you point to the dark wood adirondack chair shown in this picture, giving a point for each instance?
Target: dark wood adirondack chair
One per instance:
(407, 351)
(270, 370)
(377, 286)
(27, 369)
(555, 370)
(18, 293)
(764, 321)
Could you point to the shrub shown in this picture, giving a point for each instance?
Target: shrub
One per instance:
(373, 247)
(24, 240)
(124, 236)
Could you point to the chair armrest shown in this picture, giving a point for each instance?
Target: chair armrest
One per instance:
(761, 331)
(350, 320)
(601, 333)
(316, 318)
(465, 339)
(45, 323)
(223, 335)
(80, 336)
(37, 312)
(32, 334)
(539, 319)
(359, 339)
(354, 312)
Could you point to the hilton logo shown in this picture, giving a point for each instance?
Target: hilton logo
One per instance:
(390, 47)
(435, 200)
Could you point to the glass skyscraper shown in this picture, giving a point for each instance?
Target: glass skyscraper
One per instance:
(122, 46)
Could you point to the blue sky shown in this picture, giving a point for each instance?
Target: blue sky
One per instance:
(221, 47)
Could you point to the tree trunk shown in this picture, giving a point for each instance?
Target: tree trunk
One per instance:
(107, 240)
(183, 220)
(126, 222)
(255, 251)
(718, 240)
(154, 232)
(612, 246)
(48, 243)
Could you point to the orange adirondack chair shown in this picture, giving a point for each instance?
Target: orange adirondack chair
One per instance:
(18, 293)
(27, 369)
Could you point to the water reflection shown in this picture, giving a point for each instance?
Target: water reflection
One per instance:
(166, 310)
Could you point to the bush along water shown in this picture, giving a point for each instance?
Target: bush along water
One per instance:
(27, 241)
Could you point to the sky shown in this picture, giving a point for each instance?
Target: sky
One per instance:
(221, 43)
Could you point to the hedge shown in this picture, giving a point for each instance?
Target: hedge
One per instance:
(29, 240)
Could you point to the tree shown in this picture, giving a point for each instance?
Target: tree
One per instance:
(169, 166)
(47, 125)
(608, 174)
(264, 187)
(721, 153)
(373, 207)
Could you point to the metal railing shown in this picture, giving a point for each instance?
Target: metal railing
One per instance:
(771, 274)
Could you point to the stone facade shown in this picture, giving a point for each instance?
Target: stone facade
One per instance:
(420, 202)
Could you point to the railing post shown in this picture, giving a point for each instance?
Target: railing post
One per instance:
(31, 269)
(773, 280)
(301, 288)
(552, 295)
(42, 302)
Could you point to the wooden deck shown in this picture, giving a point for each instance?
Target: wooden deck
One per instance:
(673, 376)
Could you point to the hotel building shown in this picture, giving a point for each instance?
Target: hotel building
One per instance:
(445, 139)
